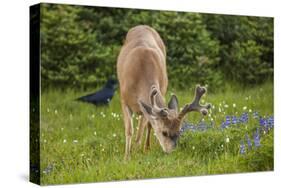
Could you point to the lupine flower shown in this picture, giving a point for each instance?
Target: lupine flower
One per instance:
(257, 139)
(242, 148)
(264, 124)
(227, 120)
(234, 120)
(248, 142)
(244, 117)
(270, 122)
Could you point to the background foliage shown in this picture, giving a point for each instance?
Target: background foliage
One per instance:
(80, 45)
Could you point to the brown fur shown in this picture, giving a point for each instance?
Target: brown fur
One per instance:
(142, 75)
(141, 64)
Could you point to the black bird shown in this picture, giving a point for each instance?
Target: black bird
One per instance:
(103, 96)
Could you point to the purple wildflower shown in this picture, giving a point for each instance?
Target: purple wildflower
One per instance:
(223, 125)
(270, 122)
(244, 117)
(262, 122)
(242, 148)
(257, 139)
(227, 120)
(234, 120)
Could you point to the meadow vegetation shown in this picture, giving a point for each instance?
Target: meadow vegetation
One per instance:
(83, 143)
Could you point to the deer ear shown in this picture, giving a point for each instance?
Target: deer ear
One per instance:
(173, 103)
(145, 108)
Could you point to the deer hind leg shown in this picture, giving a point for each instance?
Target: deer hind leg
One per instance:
(129, 130)
(141, 125)
(147, 142)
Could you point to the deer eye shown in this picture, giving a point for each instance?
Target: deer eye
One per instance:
(165, 133)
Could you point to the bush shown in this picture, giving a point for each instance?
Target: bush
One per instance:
(80, 45)
(246, 46)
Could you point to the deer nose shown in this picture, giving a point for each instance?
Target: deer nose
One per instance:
(175, 139)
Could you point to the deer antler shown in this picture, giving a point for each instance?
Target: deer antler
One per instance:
(195, 105)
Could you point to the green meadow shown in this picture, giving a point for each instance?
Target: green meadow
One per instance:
(80, 142)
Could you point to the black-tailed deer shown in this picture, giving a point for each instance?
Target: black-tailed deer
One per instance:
(142, 76)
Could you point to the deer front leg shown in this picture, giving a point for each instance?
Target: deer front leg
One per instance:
(128, 129)
(141, 125)
(147, 142)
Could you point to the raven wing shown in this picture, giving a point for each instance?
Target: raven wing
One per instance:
(100, 97)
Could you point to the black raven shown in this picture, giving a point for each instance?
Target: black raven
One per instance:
(103, 96)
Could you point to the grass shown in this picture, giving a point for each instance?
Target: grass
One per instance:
(82, 143)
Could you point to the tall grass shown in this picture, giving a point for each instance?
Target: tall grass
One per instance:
(83, 143)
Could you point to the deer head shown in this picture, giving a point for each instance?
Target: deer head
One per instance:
(167, 121)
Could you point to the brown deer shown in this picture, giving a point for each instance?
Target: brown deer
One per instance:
(142, 75)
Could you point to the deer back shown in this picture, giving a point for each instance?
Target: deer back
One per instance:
(141, 64)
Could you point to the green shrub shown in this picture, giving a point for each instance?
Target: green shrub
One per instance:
(80, 45)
